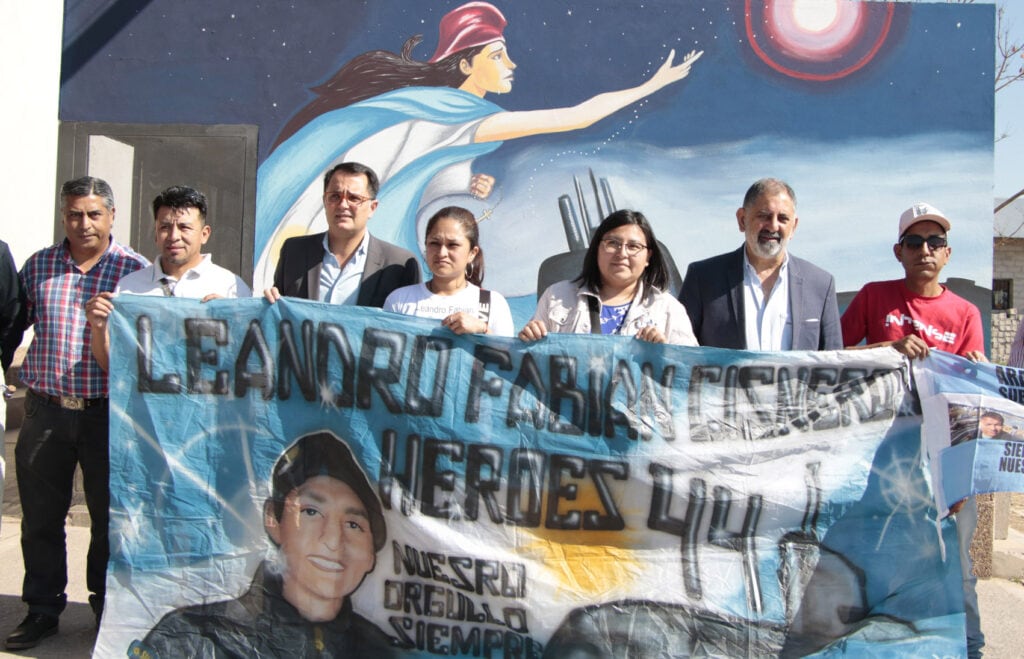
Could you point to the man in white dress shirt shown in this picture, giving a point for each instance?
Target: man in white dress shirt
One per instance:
(182, 270)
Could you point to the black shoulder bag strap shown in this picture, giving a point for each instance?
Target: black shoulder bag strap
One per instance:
(484, 305)
(595, 314)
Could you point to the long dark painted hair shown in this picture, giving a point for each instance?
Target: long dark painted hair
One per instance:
(377, 72)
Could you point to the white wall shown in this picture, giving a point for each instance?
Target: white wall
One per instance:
(111, 161)
(30, 78)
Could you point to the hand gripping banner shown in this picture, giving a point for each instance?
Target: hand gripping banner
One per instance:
(307, 480)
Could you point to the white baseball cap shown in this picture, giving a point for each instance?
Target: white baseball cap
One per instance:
(921, 212)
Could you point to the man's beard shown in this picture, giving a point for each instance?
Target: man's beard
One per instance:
(770, 248)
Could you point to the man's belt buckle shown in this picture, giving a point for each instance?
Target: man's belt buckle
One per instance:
(72, 403)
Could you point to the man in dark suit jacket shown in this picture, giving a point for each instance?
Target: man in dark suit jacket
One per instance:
(344, 265)
(759, 297)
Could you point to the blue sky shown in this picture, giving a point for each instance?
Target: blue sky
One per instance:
(1009, 159)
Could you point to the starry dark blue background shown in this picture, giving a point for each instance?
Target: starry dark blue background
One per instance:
(231, 61)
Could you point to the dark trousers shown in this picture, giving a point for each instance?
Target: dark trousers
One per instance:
(966, 524)
(51, 442)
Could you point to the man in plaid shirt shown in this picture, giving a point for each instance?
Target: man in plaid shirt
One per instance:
(66, 413)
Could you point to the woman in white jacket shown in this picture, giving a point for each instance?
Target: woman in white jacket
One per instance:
(618, 291)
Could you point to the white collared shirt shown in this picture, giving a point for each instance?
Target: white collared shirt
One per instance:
(769, 326)
(207, 278)
(340, 285)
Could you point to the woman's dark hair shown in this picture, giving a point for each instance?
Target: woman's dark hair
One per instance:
(656, 273)
(466, 220)
(377, 72)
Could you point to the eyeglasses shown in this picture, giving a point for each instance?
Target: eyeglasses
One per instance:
(914, 241)
(612, 246)
(353, 199)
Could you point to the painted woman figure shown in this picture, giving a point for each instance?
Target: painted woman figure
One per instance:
(419, 125)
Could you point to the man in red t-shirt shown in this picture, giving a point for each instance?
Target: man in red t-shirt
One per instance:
(913, 315)
(916, 313)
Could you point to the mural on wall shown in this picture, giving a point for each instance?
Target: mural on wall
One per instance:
(575, 108)
(421, 131)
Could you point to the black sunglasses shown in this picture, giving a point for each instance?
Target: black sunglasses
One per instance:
(914, 241)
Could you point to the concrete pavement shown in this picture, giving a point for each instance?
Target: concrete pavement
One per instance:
(1001, 603)
(77, 625)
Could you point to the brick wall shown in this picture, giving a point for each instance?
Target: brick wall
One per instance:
(1004, 328)
(1007, 263)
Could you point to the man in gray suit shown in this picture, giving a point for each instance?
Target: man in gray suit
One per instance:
(760, 297)
(345, 264)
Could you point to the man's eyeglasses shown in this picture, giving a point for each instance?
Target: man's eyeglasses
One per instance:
(612, 246)
(914, 241)
(353, 199)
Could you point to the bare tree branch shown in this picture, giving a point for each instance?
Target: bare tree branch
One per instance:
(1010, 59)
(1009, 200)
(1009, 53)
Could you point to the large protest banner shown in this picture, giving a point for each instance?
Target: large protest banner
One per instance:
(580, 496)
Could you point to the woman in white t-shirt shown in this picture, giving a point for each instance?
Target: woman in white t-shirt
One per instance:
(453, 294)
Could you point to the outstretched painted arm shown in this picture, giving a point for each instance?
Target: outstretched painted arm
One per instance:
(510, 125)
